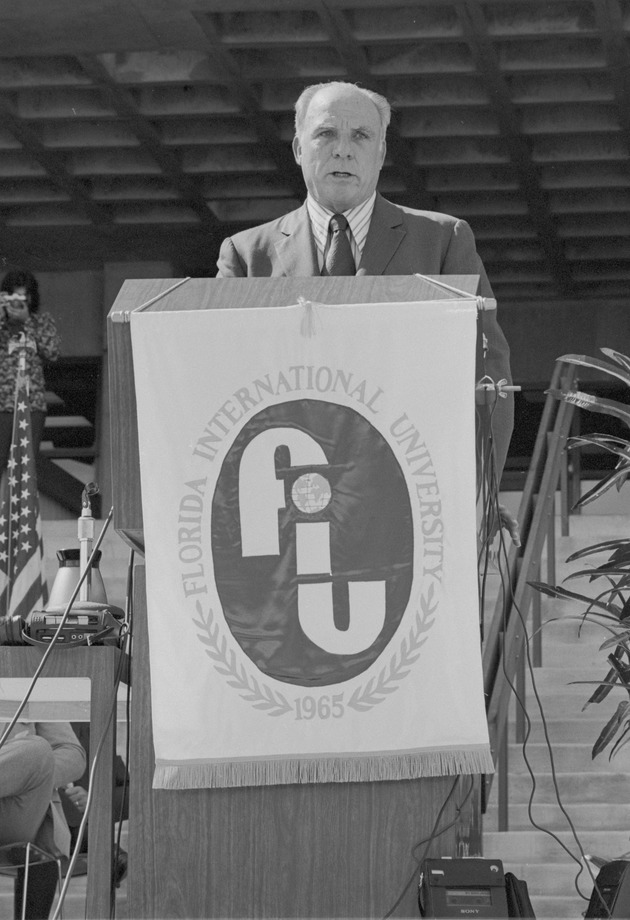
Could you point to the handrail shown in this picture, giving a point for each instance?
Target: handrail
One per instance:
(504, 646)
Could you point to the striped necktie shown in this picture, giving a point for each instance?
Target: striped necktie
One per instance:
(339, 260)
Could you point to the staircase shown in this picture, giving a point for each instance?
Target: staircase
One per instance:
(72, 432)
(594, 794)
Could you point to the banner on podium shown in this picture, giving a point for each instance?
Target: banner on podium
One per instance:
(308, 493)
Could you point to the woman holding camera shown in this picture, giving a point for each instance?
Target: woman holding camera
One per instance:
(19, 314)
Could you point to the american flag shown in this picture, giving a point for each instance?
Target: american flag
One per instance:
(22, 586)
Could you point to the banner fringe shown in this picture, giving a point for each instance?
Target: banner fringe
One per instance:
(225, 774)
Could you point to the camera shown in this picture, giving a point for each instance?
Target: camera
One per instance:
(11, 300)
(88, 623)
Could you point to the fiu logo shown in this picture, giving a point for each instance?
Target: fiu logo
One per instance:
(312, 542)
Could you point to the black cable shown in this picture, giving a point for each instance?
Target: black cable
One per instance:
(435, 833)
(508, 591)
(490, 512)
(90, 791)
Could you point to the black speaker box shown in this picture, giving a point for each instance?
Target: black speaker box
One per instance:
(470, 887)
(611, 894)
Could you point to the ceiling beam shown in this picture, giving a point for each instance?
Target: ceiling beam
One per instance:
(353, 57)
(123, 104)
(274, 146)
(53, 163)
(615, 42)
(484, 55)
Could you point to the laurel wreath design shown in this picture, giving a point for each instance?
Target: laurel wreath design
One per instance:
(377, 688)
(274, 703)
(260, 695)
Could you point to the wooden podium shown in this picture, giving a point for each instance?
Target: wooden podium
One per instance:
(103, 665)
(309, 850)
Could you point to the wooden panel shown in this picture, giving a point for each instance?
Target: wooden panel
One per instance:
(102, 664)
(312, 850)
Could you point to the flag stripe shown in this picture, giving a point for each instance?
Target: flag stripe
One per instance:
(21, 546)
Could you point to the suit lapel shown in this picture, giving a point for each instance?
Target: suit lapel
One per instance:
(385, 235)
(295, 248)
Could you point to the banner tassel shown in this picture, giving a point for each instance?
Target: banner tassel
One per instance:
(310, 319)
(366, 768)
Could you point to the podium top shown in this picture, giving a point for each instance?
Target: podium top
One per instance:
(173, 294)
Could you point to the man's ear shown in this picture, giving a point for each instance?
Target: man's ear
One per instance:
(297, 149)
(383, 151)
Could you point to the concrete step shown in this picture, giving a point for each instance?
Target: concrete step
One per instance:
(558, 908)
(586, 817)
(567, 758)
(557, 891)
(572, 675)
(574, 787)
(567, 636)
(583, 730)
(568, 701)
(537, 847)
(595, 794)
(557, 880)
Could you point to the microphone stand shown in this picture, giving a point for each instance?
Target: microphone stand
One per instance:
(86, 539)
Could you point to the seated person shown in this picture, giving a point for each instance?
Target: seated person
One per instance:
(35, 759)
(74, 802)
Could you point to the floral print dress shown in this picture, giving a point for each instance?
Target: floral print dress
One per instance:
(39, 328)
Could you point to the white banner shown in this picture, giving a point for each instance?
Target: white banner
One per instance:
(308, 485)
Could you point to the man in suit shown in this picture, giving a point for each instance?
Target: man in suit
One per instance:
(340, 145)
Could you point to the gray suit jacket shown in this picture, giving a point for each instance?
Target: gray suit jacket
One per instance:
(400, 241)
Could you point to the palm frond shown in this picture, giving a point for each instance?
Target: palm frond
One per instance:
(561, 593)
(617, 356)
(597, 364)
(603, 688)
(611, 728)
(593, 403)
(616, 478)
(606, 547)
(621, 741)
(608, 441)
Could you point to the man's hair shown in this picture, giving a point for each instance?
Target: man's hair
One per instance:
(304, 100)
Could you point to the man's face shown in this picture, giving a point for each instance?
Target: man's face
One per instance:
(340, 148)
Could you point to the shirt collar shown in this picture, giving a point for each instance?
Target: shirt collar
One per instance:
(358, 219)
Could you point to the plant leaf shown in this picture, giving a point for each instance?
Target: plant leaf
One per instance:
(610, 729)
(622, 670)
(602, 547)
(598, 364)
(617, 356)
(557, 591)
(603, 689)
(605, 569)
(620, 742)
(617, 639)
(609, 442)
(593, 403)
(607, 546)
(616, 478)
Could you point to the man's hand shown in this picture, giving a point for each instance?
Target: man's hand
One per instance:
(500, 519)
(508, 522)
(77, 795)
